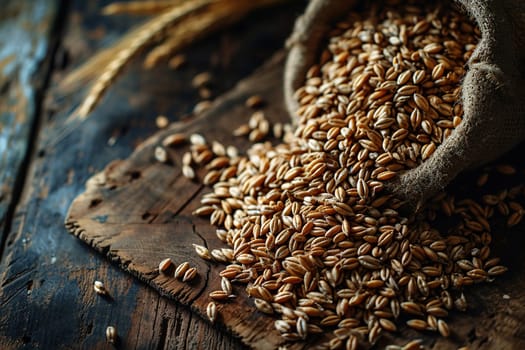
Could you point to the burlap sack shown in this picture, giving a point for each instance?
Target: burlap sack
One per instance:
(493, 94)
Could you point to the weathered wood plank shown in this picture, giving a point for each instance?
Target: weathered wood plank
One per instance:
(25, 35)
(46, 288)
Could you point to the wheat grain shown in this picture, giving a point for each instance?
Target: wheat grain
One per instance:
(211, 311)
(202, 106)
(181, 270)
(254, 101)
(99, 288)
(190, 274)
(202, 251)
(161, 155)
(165, 265)
(128, 48)
(174, 140)
(309, 227)
(177, 61)
(111, 335)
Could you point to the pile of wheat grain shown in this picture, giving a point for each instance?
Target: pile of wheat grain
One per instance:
(310, 230)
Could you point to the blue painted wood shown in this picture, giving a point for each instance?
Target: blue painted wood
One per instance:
(25, 31)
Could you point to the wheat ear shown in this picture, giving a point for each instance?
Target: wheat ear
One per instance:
(218, 15)
(139, 7)
(129, 47)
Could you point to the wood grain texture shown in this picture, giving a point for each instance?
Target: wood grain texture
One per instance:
(138, 212)
(25, 31)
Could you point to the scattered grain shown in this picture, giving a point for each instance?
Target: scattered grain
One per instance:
(202, 251)
(165, 266)
(99, 288)
(219, 295)
(188, 172)
(177, 61)
(197, 139)
(162, 121)
(443, 328)
(181, 269)
(111, 335)
(254, 101)
(201, 80)
(205, 93)
(174, 140)
(211, 311)
(161, 154)
(310, 230)
(202, 106)
(413, 345)
(190, 274)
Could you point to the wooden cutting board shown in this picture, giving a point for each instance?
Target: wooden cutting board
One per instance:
(139, 211)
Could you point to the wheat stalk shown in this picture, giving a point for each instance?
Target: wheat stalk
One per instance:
(139, 7)
(219, 15)
(122, 53)
(188, 20)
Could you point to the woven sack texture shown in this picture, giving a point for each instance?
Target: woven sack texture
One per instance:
(493, 90)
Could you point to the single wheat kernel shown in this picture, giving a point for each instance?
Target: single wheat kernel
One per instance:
(181, 269)
(174, 140)
(165, 265)
(188, 172)
(202, 106)
(161, 154)
(190, 274)
(201, 80)
(99, 288)
(219, 295)
(211, 311)
(177, 61)
(202, 251)
(254, 101)
(111, 335)
(162, 121)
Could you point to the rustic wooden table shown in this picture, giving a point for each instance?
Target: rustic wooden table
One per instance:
(46, 274)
